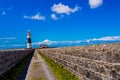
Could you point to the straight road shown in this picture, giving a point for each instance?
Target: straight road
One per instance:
(38, 69)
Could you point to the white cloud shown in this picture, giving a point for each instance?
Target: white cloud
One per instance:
(17, 45)
(56, 42)
(109, 38)
(54, 17)
(60, 42)
(95, 3)
(8, 38)
(46, 41)
(35, 17)
(63, 9)
(3, 13)
(12, 45)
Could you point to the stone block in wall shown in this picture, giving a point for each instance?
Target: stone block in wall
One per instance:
(96, 62)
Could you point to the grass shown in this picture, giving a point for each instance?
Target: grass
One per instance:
(15, 72)
(59, 72)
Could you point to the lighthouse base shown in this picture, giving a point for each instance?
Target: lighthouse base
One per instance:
(29, 45)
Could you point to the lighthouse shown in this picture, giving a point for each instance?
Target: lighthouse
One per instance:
(29, 40)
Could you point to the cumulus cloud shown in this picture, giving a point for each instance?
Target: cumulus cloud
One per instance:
(63, 9)
(35, 17)
(46, 41)
(54, 17)
(95, 3)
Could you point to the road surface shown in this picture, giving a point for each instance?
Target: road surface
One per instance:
(38, 70)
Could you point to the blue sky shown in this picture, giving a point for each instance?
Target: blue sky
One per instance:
(58, 20)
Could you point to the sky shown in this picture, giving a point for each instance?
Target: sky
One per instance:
(58, 20)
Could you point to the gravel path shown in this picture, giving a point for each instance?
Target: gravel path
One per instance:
(38, 70)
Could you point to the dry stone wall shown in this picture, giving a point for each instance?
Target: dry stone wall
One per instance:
(10, 58)
(95, 62)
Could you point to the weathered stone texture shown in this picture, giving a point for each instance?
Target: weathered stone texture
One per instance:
(9, 59)
(95, 62)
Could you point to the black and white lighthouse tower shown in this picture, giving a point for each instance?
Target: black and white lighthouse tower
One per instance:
(29, 40)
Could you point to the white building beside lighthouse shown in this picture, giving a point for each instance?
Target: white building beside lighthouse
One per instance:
(29, 45)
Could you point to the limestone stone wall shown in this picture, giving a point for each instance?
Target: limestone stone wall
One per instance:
(10, 58)
(95, 62)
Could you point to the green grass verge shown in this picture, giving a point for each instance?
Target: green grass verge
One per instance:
(14, 73)
(59, 72)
